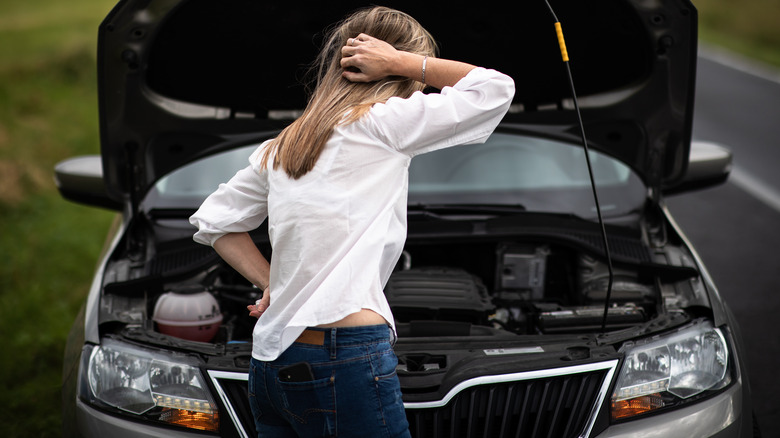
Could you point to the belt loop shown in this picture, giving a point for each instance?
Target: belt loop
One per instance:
(333, 343)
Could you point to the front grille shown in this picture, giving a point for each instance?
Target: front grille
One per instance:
(232, 389)
(555, 403)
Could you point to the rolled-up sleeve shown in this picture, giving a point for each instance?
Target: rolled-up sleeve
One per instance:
(465, 113)
(239, 205)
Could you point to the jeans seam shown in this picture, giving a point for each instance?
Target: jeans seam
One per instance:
(252, 389)
(373, 360)
(265, 386)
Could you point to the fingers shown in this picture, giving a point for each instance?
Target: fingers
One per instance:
(351, 68)
(348, 51)
(256, 310)
(363, 58)
(253, 312)
(358, 39)
(351, 65)
(354, 76)
(351, 48)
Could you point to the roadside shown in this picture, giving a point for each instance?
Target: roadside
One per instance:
(736, 105)
(739, 62)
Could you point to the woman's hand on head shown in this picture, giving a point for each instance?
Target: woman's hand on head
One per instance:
(368, 59)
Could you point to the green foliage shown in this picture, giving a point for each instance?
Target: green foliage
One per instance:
(48, 246)
(49, 252)
(749, 27)
(36, 31)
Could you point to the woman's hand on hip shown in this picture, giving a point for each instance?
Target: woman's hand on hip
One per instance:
(260, 305)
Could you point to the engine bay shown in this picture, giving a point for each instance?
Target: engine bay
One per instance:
(528, 277)
(489, 288)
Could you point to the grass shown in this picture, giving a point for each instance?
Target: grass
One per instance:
(749, 27)
(49, 247)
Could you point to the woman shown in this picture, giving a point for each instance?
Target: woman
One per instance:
(334, 186)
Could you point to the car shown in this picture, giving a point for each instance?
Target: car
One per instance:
(524, 305)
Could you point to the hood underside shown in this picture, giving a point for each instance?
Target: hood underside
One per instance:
(180, 79)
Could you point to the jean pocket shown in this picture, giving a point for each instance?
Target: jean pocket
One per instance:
(310, 406)
(384, 365)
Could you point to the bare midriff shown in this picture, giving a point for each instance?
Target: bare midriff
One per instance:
(357, 319)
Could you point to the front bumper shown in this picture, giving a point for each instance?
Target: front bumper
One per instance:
(722, 416)
(91, 422)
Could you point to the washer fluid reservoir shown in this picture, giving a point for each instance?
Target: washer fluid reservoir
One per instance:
(192, 316)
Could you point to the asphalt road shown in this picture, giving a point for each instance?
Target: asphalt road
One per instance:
(736, 227)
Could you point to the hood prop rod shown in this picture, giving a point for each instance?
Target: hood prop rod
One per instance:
(565, 56)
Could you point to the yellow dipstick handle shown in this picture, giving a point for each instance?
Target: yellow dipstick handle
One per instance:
(561, 42)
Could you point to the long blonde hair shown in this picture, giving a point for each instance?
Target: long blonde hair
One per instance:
(298, 146)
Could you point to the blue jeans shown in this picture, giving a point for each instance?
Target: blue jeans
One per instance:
(355, 391)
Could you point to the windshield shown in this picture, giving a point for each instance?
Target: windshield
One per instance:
(515, 170)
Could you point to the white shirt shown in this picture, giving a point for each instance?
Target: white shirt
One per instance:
(338, 231)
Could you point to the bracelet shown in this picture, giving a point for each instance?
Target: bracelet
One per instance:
(425, 61)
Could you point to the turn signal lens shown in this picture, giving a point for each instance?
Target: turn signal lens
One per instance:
(191, 419)
(635, 406)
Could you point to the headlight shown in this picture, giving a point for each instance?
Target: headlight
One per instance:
(668, 370)
(159, 387)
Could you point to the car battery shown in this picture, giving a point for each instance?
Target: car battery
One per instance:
(520, 272)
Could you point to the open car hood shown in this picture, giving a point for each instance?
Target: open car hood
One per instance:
(180, 79)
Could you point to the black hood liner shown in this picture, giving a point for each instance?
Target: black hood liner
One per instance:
(227, 53)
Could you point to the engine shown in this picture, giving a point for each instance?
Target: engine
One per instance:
(490, 288)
